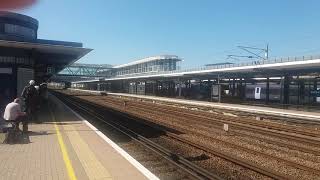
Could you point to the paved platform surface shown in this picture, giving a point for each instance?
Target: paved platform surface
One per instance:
(304, 115)
(65, 147)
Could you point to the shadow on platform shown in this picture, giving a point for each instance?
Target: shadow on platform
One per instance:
(23, 139)
(40, 133)
(20, 139)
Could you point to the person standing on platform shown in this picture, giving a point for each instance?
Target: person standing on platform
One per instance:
(30, 96)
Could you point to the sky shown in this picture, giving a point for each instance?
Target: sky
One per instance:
(198, 31)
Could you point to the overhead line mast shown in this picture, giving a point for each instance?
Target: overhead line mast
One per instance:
(249, 50)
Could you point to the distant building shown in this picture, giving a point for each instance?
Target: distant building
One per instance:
(152, 64)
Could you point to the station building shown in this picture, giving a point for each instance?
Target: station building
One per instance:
(145, 66)
(281, 81)
(23, 56)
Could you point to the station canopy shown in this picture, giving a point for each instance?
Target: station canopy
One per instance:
(47, 55)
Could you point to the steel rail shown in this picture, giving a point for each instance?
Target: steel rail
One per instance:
(283, 144)
(212, 151)
(179, 161)
(235, 160)
(313, 139)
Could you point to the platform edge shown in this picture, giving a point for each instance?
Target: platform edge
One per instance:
(122, 152)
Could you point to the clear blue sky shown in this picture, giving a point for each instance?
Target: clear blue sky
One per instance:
(199, 31)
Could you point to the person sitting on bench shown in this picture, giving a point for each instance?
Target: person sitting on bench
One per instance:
(13, 113)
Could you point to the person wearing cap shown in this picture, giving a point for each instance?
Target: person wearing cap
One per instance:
(13, 112)
(30, 96)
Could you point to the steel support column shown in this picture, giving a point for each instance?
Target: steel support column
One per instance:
(209, 94)
(219, 89)
(244, 89)
(122, 86)
(241, 89)
(233, 87)
(285, 94)
(136, 87)
(301, 87)
(267, 90)
(315, 87)
(145, 87)
(154, 84)
(179, 88)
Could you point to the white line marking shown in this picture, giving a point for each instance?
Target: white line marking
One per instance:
(123, 153)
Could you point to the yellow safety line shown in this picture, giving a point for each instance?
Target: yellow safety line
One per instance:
(64, 151)
(92, 166)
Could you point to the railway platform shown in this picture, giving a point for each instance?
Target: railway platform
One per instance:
(303, 115)
(66, 146)
(296, 114)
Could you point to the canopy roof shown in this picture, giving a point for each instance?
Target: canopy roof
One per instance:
(70, 52)
(149, 59)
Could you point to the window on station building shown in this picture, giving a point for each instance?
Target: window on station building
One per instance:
(7, 59)
(22, 60)
(19, 30)
(14, 60)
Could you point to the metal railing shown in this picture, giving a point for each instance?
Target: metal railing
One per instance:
(203, 68)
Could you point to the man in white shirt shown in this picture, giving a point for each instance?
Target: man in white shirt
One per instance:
(13, 113)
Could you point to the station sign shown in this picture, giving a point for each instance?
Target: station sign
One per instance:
(315, 93)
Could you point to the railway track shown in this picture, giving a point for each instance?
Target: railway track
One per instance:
(289, 133)
(258, 153)
(179, 116)
(179, 161)
(241, 162)
(290, 120)
(292, 133)
(219, 120)
(301, 136)
(297, 120)
(244, 120)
